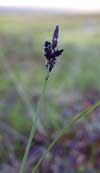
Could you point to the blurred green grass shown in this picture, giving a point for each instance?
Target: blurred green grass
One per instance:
(21, 46)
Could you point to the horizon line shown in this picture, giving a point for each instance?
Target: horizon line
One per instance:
(70, 10)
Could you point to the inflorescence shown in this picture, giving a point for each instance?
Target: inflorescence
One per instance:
(51, 50)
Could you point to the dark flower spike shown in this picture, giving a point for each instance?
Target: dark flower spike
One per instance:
(55, 37)
(48, 50)
(51, 51)
(58, 52)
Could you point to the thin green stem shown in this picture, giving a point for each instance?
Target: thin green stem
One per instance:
(63, 131)
(22, 168)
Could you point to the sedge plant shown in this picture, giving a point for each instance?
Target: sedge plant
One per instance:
(51, 53)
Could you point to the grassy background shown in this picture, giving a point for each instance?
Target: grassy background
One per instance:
(22, 36)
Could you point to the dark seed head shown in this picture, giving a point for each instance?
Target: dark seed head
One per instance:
(58, 52)
(50, 50)
(55, 37)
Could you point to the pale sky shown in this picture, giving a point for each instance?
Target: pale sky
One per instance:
(88, 5)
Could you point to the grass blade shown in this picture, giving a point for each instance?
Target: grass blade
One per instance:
(72, 122)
